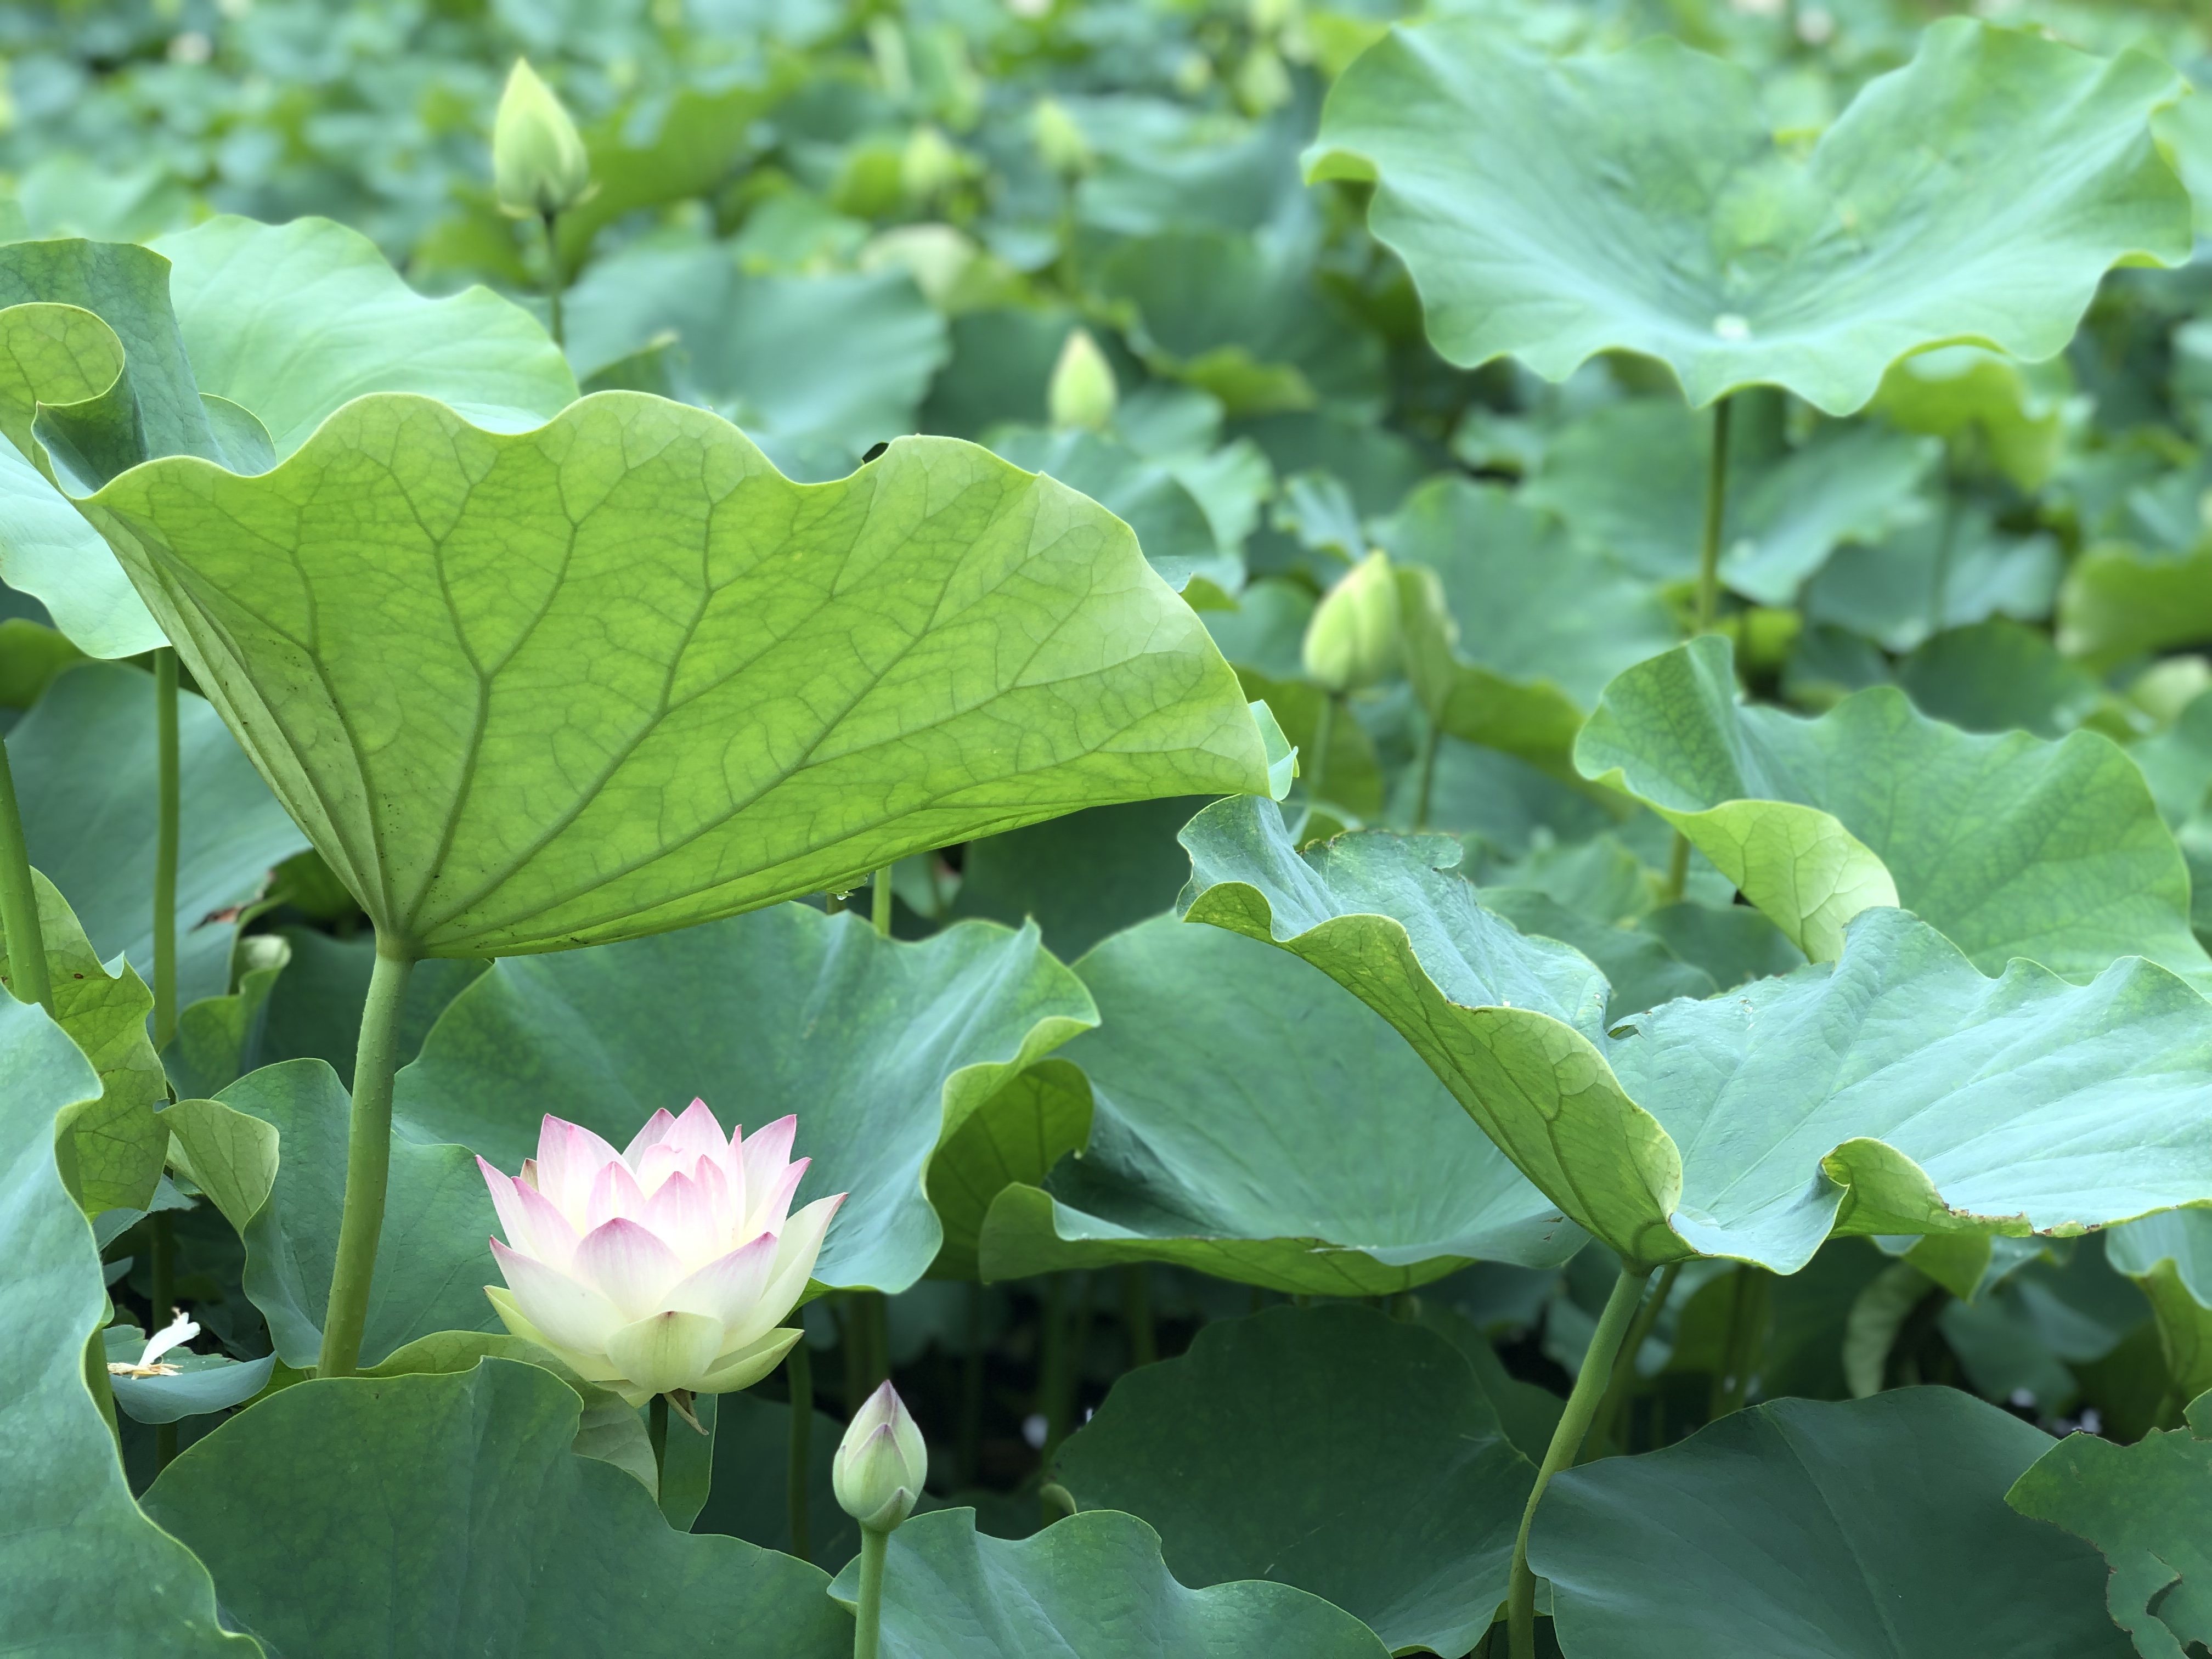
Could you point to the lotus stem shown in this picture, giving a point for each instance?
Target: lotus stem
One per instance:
(161, 1291)
(799, 1372)
(1747, 1306)
(868, 1616)
(880, 902)
(368, 1163)
(19, 913)
(555, 280)
(169, 794)
(1430, 741)
(1590, 1384)
(1324, 729)
(1137, 1315)
(1709, 548)
(656, 1432)
(1624, 1368)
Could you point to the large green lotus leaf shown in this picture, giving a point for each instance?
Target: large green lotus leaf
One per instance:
(1251, 1120)
(882, 1049)
(1898, 1091)
(1133, 867)
(1849, 483)
(2170, 1258)
(1999, 676)
(2119, 601)
(819, 368)
(2012, 846)
(1170, 523)
(315, 1006)
(446, 1515)
(1013, 1140)
(2011, 416)
(1329, 1447)
(1243, 319)
(1091, 1587)
(751, 1494)
(1556, 208)
(1871, 1529)
(92, 827)
(2146, 1508)
(618, 675)
(1544, 622)
(290, 321)
(86, 1572)
(432, 1257)
(1950, 570)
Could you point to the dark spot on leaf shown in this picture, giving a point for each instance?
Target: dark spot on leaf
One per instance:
(874, 450)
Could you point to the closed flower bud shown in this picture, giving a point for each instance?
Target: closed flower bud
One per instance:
(1059, 142)
(1354, 640)
(1083, 392)
(537, 160)
(880, 1463)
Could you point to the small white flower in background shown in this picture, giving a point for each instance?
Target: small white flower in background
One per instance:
(179, 1331)
(881, 1462)
(662, 1269)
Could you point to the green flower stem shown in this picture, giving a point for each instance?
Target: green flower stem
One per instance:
(1324, 729)
(555, 282)
(161, 1292)
(1624, 1368)
(169, 794)
(1431, 738)
(656, 1432)
(799, 1371)
(1137, 1315)
(368, 1164)
(880, 902)
(1590, 1384)
(1748, 1304)
(1708, 601)
(868, 1616)
(19, 906)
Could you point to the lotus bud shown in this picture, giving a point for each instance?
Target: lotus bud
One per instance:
(1083, 392)
(538, 164)
(1354, 638)
(880, 1463)
(664, 1269)
(1059, 142)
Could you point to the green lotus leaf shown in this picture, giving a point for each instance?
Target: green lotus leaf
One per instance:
(750, 1498)
(86, 1571)
(446, 1515)
(2012, 846)
(1999, 676)
(2013, 415)
(219, 1038)
(1170, 522)
(1556, 208)
(1833, 1531)
(432, 1258)
(1013, 1140)
(1898, 1091)
(1642, 968)
(315, 1006)
(1328, 1448)
(2170, 1259)
(2144, 1507)
(1132, 868)
(1543, 623)
(1252, 1121)
(1950, 570)
(618, 675)
(2119, 601)
(90, 827)
(883, 1050)
(1848, 484)
(203, 1382)
(291, 321)
(817, 369)
(1091, 1587)
(111, 1149)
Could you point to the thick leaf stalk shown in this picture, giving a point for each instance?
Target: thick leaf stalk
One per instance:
(18, 901)
(168, 789)
(368, 1164)
(1590, 1384)
(868, 1614)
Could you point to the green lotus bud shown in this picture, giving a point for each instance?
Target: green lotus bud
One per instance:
(538, 165)
(880, 1463)
(1354, 638)
(1083, 392)
(1058, 140)
(929, 164)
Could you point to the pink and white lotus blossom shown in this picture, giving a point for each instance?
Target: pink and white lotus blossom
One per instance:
(663, 1268)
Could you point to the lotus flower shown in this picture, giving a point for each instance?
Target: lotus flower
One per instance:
(881, 1462)
(663, 1269)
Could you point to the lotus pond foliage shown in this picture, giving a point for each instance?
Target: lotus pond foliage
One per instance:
(1111, 827)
